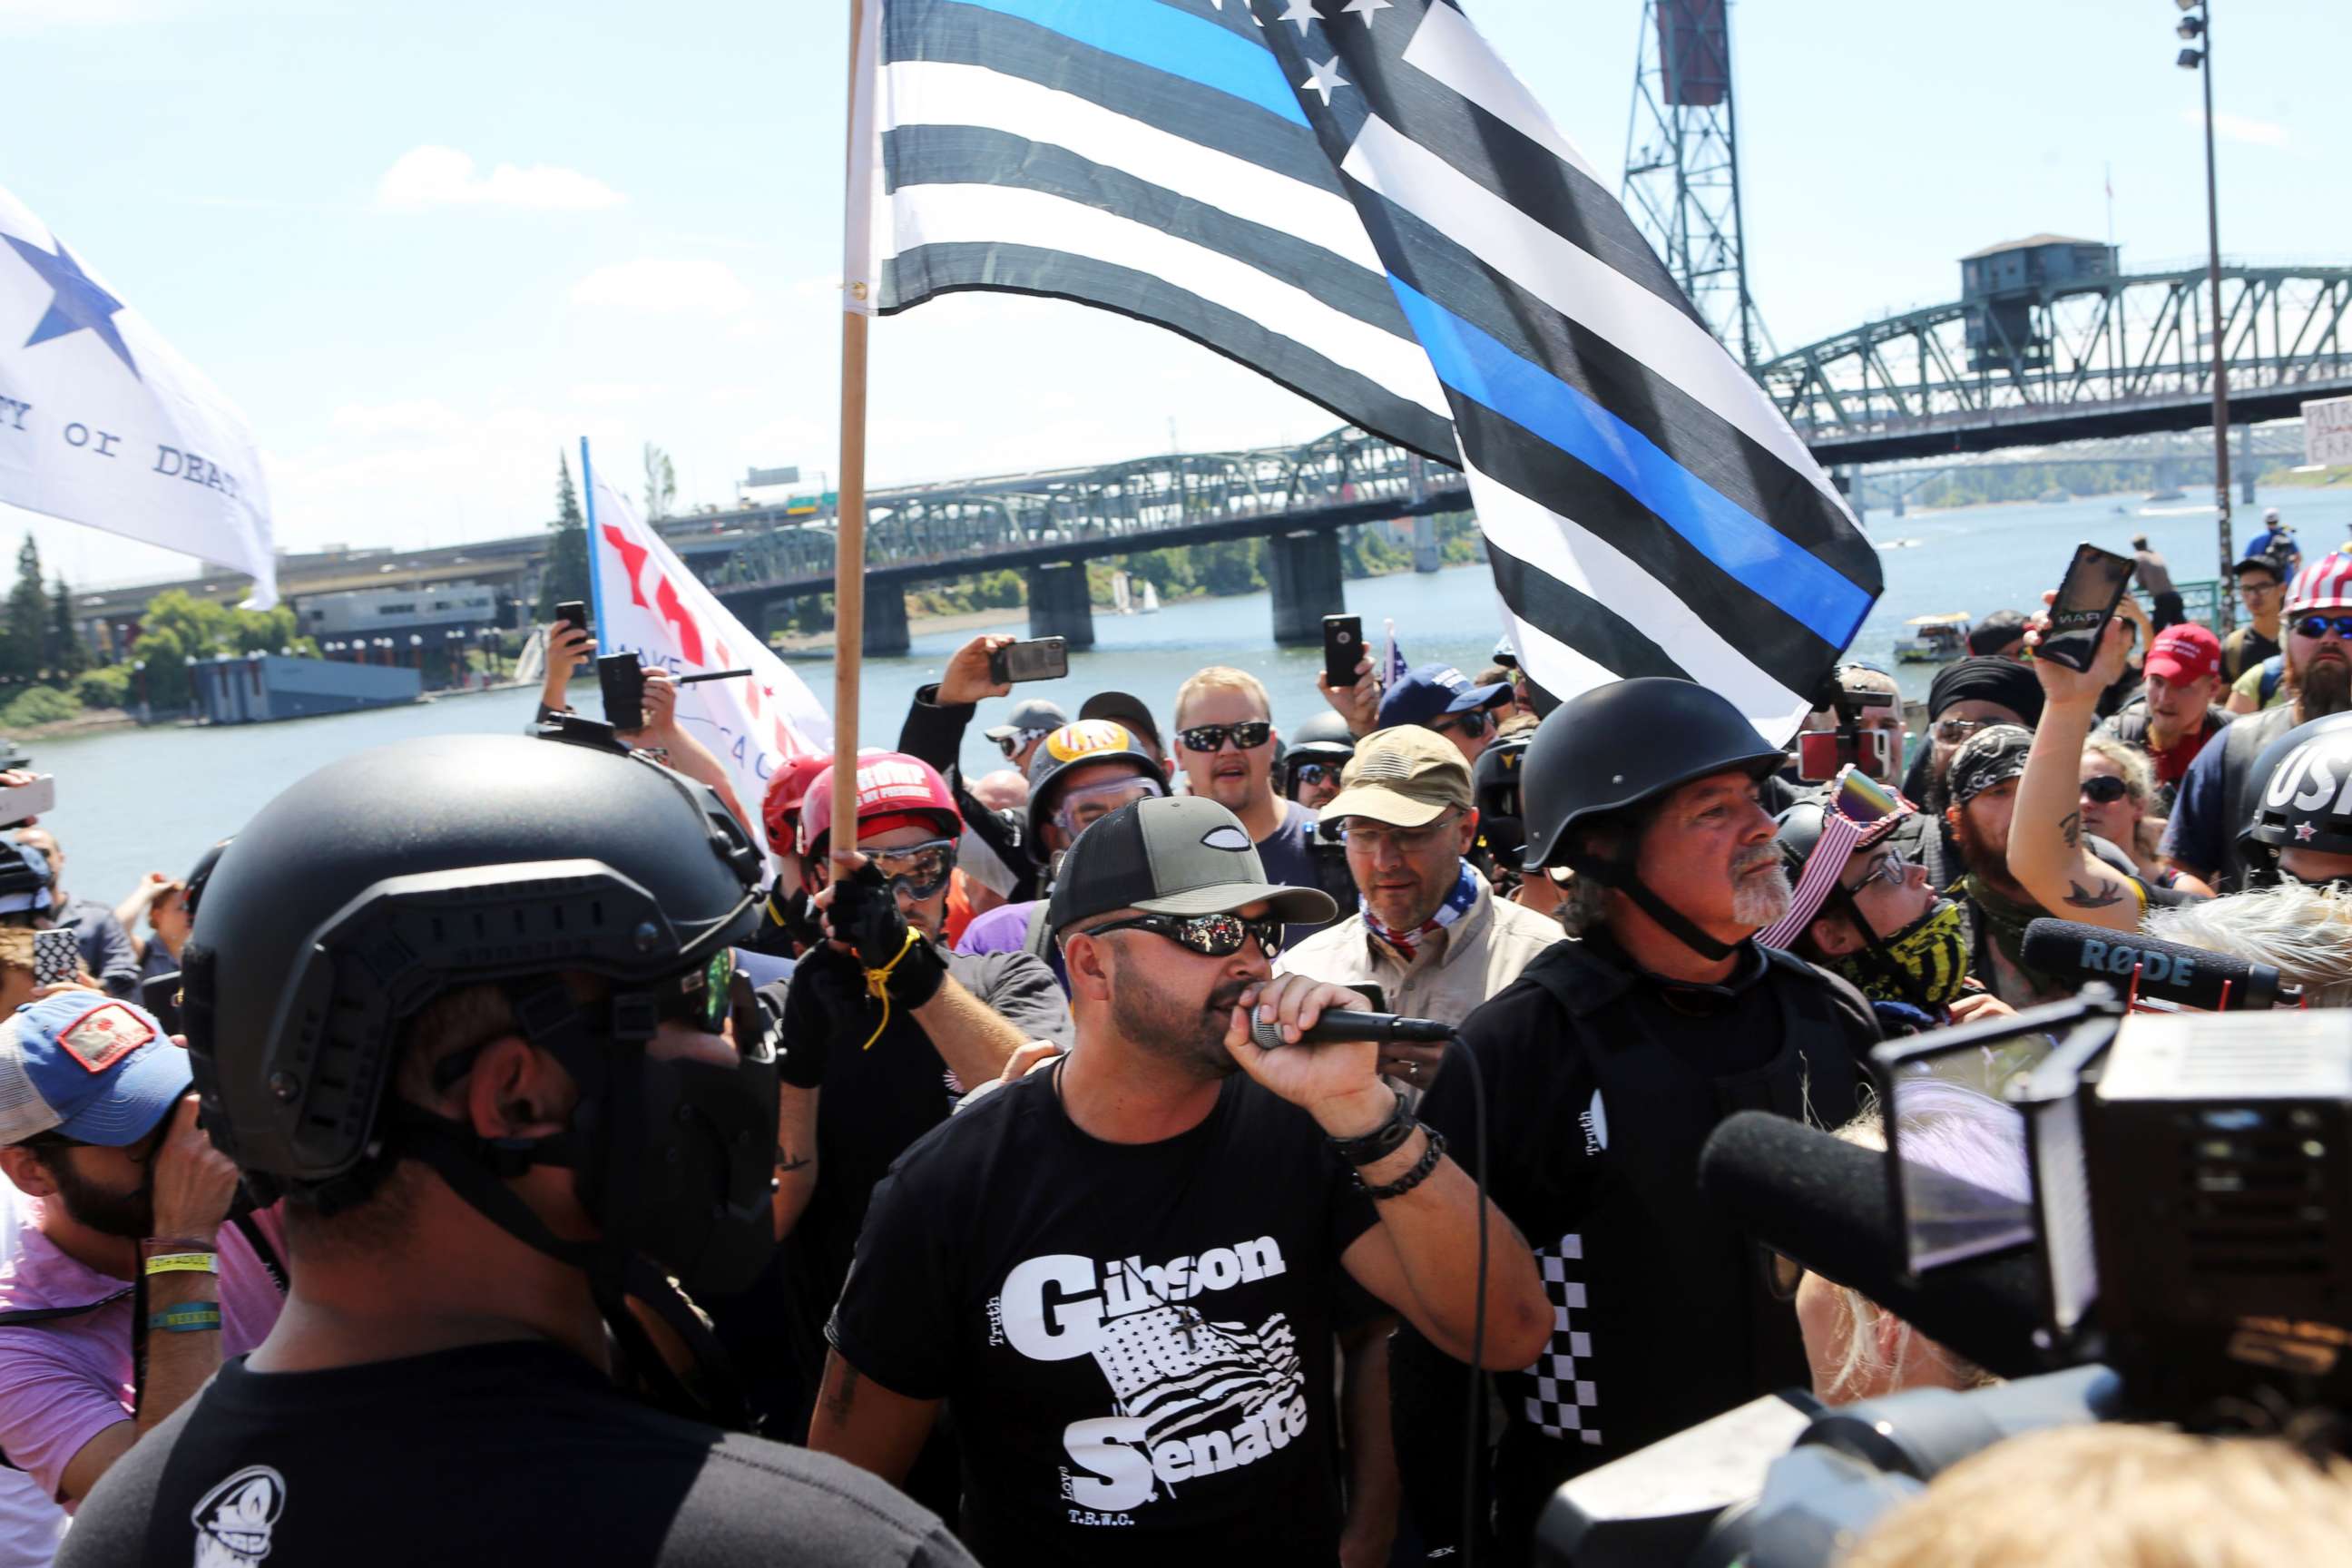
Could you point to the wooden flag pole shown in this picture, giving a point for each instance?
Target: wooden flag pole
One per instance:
(849, 523)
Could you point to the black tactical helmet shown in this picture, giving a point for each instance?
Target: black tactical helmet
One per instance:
(1621, 744)
(1494, 779)
(379, 882)
(1323, 739)
(2296, 796)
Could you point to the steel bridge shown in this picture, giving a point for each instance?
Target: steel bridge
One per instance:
(2089, 357)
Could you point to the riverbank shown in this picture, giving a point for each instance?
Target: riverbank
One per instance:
(91, 723)
(819, 645)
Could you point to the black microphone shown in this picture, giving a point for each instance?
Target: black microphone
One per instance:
(2192, 977)
(1339, 1026)
(1823, 1203)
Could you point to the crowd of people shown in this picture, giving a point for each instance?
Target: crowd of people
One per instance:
(524, 1149)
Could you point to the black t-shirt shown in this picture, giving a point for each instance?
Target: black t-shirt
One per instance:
(505, 1454)
(1134, 1340)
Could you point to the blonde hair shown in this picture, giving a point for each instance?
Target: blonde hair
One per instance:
(1964, 1135)
(1223, 677)
(2139, 782)
(2122, 1497)
(2303, 932)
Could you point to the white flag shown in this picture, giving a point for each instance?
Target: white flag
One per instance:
(648, 604)
(101, 423)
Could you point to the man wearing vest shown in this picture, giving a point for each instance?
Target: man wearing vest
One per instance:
(2262, 580)
(127, 1288)
(2212, 808)
(1604, 1067)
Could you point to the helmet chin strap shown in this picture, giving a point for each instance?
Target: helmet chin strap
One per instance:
(1875, 947)
(1618, 877)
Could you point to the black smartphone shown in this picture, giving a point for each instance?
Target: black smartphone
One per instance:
(622, 681)
(573, 612)
(1343, 649)
(1046, 659)
(2087, 597)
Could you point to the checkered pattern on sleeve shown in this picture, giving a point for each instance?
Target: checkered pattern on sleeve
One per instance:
(1557, 1393)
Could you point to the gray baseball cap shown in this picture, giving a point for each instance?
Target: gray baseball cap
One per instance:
(1037, 716)
(1180, 855)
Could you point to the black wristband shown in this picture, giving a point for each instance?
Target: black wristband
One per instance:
(1412, 1178)
(1382, 1141)
(916, 979)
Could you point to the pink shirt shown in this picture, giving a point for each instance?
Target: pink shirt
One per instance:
(65, 1381)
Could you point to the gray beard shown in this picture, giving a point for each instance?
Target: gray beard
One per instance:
(1760, 901)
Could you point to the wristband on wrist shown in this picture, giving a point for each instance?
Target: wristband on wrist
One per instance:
(180, 1263)
(1411, 1179)
(1382, 1141)
(190, 1318)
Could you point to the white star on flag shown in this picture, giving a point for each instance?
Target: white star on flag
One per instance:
(1323, 77)
(1301, 12)
(1219, 4)
(2304, 830)
(1365, 8)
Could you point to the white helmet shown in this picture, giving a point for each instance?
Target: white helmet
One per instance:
(2270, 515)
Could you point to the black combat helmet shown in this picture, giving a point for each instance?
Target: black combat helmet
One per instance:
(2296, 794)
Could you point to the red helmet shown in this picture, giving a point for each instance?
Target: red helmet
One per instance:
(779, 808)
(890, 783)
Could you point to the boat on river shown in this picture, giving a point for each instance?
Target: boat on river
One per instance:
(1934, 639)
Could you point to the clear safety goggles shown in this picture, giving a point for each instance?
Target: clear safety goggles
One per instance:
(1079, 809)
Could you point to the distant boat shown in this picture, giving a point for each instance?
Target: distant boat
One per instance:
(1150, 600)
(1935, 639)
(2169, 493)
(1121, 596)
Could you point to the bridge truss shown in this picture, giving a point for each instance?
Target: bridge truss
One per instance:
(2111, 357)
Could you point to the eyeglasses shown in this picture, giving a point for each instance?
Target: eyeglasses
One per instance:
(1891, 868)
(2251, 589)
(1011, 745)
(1212, 936)
(1079, 809)
(2320, 625)
(921, 869)
(1247, 736)
(1952, 732)
(1368, 835)
(2105, 789)
(1472, 723)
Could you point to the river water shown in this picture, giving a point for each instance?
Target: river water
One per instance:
(134, 801)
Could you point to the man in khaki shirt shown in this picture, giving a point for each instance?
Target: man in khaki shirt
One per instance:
(1427, 931)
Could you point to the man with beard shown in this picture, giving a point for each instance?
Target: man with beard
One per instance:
(1963, 699)
(2212, 806)
(1120, 1275)
(1604, 1068)
(1224, 743)
(126, 1246)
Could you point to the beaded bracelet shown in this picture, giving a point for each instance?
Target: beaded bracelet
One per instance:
(1411, 1179)
(191, 1317)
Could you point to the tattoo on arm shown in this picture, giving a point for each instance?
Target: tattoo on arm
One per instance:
(2070, 827)
(842, 1394)
(2082, 898)
(787, 1162)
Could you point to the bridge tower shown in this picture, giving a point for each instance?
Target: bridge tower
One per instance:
(1681, 165)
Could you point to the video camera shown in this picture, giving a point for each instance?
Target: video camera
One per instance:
(1821, 753)
(2177, 1247)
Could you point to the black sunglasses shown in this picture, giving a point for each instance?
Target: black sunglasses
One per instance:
(1247, 736)
(2320, 625)
(2103, 789)
(1473, 723)
(1213, 936)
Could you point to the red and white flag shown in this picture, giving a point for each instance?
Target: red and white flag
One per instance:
(648, 604)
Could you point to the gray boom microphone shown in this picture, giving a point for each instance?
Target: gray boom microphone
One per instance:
(1339, 1026)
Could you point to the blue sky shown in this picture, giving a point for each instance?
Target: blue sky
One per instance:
(422, 245)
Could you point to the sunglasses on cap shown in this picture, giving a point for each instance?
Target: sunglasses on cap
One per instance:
(918, 870)
(1247, 735)
(1079, 809)
(1862, 800)
(1010, 745)
(2105, 789)
(1212, 936)
(2320, 625)
(1471, 723)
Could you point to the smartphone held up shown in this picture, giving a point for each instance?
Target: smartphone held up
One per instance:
(2093, 586)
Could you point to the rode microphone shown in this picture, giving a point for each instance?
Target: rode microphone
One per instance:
(1341, 1026)
(2192, 977)
(1823, 1203)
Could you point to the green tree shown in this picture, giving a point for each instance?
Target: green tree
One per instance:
(29, 617)
(661, 483)
(67, 655)
(565, 575)
(176, 628)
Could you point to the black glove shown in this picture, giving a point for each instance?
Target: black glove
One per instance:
(864, 916)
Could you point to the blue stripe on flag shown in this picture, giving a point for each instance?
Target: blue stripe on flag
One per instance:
(1747, 549)
(1166, 40)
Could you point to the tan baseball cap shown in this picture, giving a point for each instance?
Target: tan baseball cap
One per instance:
(1405, 775)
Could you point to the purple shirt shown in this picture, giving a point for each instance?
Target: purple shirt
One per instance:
(65, 1381)
(1005, 929)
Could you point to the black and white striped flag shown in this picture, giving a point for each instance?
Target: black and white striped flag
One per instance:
(1356, 198)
